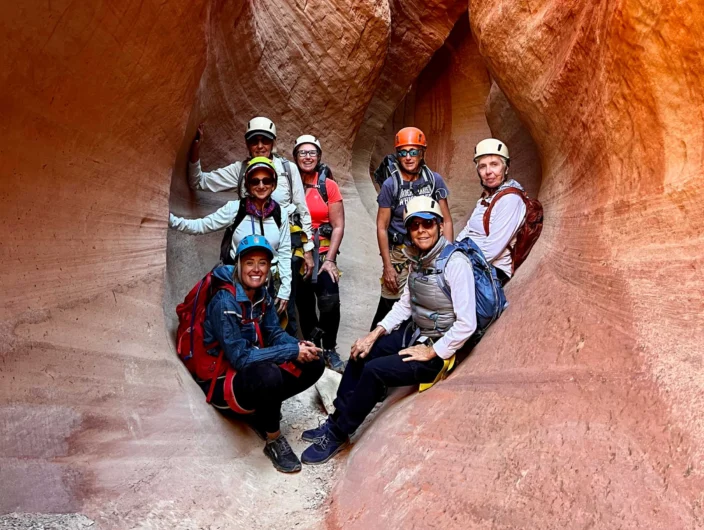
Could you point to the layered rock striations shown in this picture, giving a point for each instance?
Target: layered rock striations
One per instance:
(581, 407)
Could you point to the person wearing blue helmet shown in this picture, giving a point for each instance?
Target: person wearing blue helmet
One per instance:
(266, 364)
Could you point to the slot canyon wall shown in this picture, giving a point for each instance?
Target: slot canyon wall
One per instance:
(583, 404)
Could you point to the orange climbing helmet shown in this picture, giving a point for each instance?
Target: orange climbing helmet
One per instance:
(410, 136)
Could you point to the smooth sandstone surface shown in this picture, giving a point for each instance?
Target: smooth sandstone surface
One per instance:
(581, 407)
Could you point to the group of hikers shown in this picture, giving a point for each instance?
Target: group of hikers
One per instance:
(239, 332)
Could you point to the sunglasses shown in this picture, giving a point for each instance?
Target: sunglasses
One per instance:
(405, 152)
(267, 181)
(417, 223)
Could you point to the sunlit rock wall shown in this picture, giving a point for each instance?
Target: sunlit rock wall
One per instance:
(582, 406)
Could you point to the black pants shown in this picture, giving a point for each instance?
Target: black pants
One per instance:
(365, 381)
(264, 386)
(292, 328)
(322, 297)
(385, 305)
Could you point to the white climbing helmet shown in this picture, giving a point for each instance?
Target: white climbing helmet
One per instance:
(307, 139)
(491, 146)
(260, 125)
(423, 207)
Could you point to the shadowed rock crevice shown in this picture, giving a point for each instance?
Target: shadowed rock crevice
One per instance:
(582, 405)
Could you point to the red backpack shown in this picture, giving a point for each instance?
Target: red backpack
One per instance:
(189, 337)
(528, 233)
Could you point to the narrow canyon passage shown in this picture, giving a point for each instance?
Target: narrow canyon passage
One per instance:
(581, 407)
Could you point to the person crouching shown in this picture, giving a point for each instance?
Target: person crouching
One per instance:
(416, 340)
(266, 365)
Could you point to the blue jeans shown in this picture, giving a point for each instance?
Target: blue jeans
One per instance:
(366, 381)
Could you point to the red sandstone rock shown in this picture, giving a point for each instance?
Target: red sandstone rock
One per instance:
(581, 407)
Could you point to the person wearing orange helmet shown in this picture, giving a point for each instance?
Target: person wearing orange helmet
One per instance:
(406, 176)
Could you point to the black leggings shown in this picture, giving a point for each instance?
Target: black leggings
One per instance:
(325, 294)
(262, 387)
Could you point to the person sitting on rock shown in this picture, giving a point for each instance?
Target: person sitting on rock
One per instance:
(492, 161)
(260, 137)
(320, 292)
(414, 343)
(408, 176)
(266, 365)
(256, 213)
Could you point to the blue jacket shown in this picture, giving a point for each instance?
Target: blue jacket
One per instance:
(223, 323)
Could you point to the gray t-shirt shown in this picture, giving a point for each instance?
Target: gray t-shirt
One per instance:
(408, 190)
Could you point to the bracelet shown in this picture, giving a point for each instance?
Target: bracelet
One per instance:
(331, 261)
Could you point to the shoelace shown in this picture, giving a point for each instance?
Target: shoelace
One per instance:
(322, 441)
(283, 446)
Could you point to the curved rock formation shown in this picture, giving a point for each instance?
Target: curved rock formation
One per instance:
(582, 406)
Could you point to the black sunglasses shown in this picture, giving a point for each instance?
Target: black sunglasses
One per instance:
(415, 224)
(267, 181)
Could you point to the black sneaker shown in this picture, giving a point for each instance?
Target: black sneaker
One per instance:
(312, 435)
(333, 361)
(281, 455)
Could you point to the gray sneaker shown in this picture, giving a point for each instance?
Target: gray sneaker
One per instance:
(333, 361)
(281, 455)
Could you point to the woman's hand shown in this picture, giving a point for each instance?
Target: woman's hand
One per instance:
(307, 352)
(281, 305)
(308, 264)
(390, 279)
(331, 268)
(419, 352)
(197, 141)
(362, 347)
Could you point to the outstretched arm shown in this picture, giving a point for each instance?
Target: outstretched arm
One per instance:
(215, 221)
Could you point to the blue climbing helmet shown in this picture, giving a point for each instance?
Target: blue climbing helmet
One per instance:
(254, 242)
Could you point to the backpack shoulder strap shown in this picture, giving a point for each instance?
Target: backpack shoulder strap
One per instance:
(322, 183)
(396, 183)
(230, 230)
(287, 171)
(440, 265)
(276, 214)
(508, 191)
(429, 177)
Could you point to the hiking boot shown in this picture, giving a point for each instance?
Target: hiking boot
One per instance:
(281, 455)
(333, 361)
(324, 448)
(311, 435)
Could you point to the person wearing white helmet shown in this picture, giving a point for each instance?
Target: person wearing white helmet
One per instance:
(260, 137)
(320, 293)
(415, 343)
(492, 161)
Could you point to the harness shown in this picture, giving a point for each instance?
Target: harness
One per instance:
(229, 372)
(322, 234)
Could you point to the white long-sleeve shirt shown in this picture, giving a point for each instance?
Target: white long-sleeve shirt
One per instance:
(459, 275)
(278, 238)
(506, 218)
(227, 179)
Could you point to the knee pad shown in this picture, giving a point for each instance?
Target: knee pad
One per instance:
(328, 302)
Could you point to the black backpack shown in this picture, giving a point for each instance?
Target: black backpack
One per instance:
(388, 169)
(226, 243)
